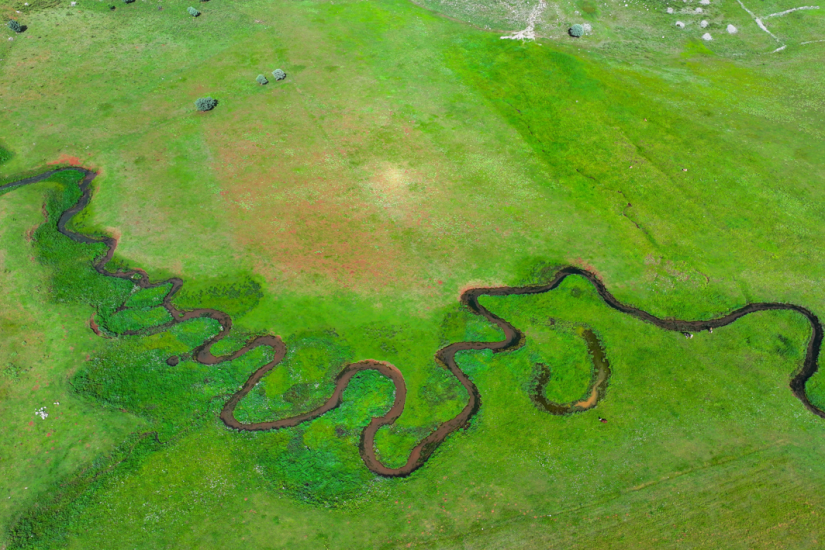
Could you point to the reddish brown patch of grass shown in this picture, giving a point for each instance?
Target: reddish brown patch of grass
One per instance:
(306, 213)
(66, 159)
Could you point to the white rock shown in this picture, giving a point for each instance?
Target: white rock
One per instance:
(698, 10)
(732, 30)
(670, 10)
(587, 28)
(703, 23)
(705, 2)
(74, 3)
(680, 24)
(707, 37)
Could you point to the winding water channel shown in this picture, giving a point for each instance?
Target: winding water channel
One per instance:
(596, 389)
(513, 339)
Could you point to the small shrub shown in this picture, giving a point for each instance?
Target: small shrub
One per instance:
(14, 25)
(261, 79)
(279, 74)
(205, 103)
(576, 31)
(192, 11)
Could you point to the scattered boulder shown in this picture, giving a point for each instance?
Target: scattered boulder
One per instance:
(732, 30)
(192, 11)
(587, 28)
(698, 10)
(261, 79)
(703, 23)
(705, 2)
(707, 37)
(670, 10)
(680, 24)
(279, 74)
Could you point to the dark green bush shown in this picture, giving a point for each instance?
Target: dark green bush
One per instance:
(576, 31)
(14, 25)
(192, 11)
(279, 74)
(261, 79)
(205, 103)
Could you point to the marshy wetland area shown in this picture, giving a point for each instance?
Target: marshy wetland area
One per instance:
(436, 274)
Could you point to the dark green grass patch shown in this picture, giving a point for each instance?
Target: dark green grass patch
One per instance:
(137, 319)
(232, 343)
(195, 332)
(148, 297)
(815, 387)
(5, 155)
(73, 277)
(320, 463)
(235, 296)
(301, 382)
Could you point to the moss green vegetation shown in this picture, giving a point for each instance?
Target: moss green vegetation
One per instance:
(406, 158)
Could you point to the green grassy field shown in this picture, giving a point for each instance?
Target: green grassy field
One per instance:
(405, 158)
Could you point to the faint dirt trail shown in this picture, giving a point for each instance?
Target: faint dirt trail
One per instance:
(530, 32)
(445, 357)
(762, 26)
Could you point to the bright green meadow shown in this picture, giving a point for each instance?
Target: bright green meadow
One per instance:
(411, 154)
